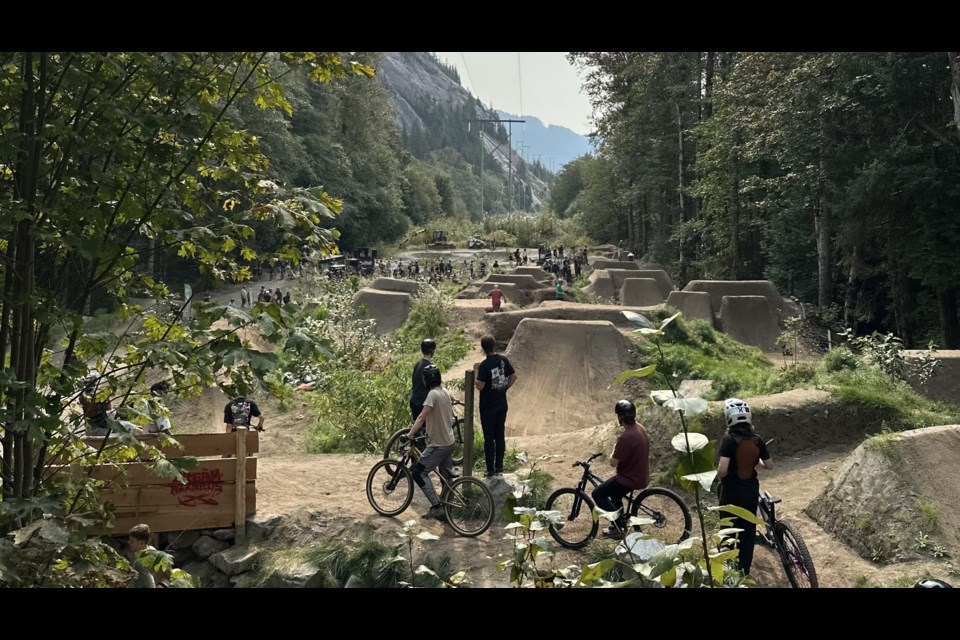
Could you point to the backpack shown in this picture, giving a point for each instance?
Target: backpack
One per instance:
(240, 410)
(748, 456)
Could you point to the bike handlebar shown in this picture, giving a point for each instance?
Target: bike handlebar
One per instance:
(589, 460)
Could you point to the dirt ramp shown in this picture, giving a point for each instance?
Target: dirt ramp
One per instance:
(607, 263)
(536, 273)
(893, 490)
(695, 305)
(564, 369)
(510, 291)
(601, 285)
(945, 385)
(523, 282)
(502, 326)
(390, 309)
(394, 284)
(750, 320)
(663, 280)
(720, 288)
(640, 292)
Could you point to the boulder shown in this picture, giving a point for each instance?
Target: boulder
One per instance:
(205, 546)
(235, 560)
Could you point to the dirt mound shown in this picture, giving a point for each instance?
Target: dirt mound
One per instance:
(606, 263)
(564, 373)
(607, 282)
(695, 305)
(893, 490)
(524, 282)
(640, 292)
(390, 309)
(945, 385)
(750, 320)
(510, 291)
(503, 325)
(720, 288)
(394, 284)
(601, 285)
(536, 273)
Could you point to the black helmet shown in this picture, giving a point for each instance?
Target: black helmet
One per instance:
(931, 583)
(431, 376)
(625, 409)
(428, 346)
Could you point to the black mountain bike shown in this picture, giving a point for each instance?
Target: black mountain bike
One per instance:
(782, 537)
(391, 448)
(671, 516)
(467, 502)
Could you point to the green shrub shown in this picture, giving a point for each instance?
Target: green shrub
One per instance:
(839, 359)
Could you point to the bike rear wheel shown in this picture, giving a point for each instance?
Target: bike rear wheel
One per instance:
(389, 487)
(457, 442)
(579, 526)
(468, 505)
(393, 450)
(795, 557)
(672, 521)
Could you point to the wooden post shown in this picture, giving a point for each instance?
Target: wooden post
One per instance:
(241, 479)
(468, 389)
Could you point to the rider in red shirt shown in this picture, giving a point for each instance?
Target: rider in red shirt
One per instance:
(496, 295)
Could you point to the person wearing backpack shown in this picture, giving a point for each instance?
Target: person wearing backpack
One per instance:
(741, 450)
(492, 378)
(419, 388)
(239, 411)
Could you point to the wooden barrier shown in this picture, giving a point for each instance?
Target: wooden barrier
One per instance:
(218, 492)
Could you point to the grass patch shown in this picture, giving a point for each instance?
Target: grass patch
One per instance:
(930, 515)
(885, 444)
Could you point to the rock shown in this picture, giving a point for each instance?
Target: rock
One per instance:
(184, 540)
(302, 576)
(261, 527)
(501, 488)
(205, 546)
(210, 577)
(226, 535)
(245, 581)
(183, 556)
(235, 560)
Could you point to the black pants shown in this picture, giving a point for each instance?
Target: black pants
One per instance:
(420, 440)
(609, 496)
(748, 499)
(494, 442)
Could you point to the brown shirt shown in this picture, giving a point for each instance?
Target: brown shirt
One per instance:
(632, 452)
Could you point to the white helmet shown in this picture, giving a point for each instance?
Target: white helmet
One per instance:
(737, 411)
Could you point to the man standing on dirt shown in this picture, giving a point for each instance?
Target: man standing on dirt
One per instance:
(238, 412)
(631, 459)
(493, 377)
(419, 389)
(741, 450)
(437, 414)
(496, 295)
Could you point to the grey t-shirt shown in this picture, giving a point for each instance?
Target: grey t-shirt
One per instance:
(441, 418)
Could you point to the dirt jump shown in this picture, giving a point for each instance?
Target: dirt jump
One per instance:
(751, 320)
(510, 291)
(536, 273)
(395, 284)
(944, 386)
(720, 288)
(695, 305)
(503, 325)
(564, 373)
(388, 308)
(640, 292)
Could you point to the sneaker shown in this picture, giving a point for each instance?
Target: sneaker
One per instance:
(498, 473)
(611, 533)
(436, 512)
(488, 474)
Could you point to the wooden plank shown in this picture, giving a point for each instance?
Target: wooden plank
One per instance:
(240, 486)
(174, 522)
(137, 473)
(166, 495)
(197, 444)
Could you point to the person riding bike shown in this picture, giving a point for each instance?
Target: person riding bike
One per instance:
(631, 458)
(741, 450)
(238, 412)
(419, 389)
(437, 414)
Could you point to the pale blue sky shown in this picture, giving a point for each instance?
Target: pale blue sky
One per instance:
(540, 84)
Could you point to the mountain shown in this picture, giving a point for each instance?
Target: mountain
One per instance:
(434, 113)
(554, 145)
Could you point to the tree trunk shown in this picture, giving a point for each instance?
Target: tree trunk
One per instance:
(949, 321)
(821, 221)
(708, 86)
(850, 300)
(954, 57)
(683, 232)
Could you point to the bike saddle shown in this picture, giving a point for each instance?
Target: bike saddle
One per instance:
(769, 498)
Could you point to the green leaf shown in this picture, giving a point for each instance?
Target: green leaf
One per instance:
(705, 478)
(739, 512)
(689, 406)
(22, 536)
(697, 441)
(635, 373)
(638, 320)
(662, 395)
(649, 332)
(593, 572)
(663, 325)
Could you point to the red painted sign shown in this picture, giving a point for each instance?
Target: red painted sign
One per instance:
(202, 487)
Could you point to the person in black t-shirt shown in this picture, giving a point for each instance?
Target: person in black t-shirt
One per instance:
(419, 390)
(239, 411)
(493, 377)
(741, 450)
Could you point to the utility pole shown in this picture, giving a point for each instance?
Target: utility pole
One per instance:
(509, 158)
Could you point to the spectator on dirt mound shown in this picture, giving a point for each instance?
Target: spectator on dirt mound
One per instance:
(559, 289)
(496, 295)
(419, 388)
(437, 414)
(741, 450)
(631, 459)
(239, 411)
(493, 377)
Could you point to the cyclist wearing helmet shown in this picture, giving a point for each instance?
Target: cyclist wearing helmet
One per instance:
(631, 459)
(741, 450)
(931, 583)
(418, 390)
(437, 414)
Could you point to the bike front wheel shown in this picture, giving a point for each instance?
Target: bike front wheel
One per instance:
(579, 526)
(671, 517)
(389, 487)
(795, 557)
(394, 450)
(458, 442)
(468, 505)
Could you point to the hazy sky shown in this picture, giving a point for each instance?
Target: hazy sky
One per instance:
(544, 85)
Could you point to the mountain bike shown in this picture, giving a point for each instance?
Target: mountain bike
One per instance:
(390, 450)
(786, 540)
(670, 514)
(467, 502)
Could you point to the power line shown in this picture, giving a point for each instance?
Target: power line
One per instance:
(520, 80)
(467, 69)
